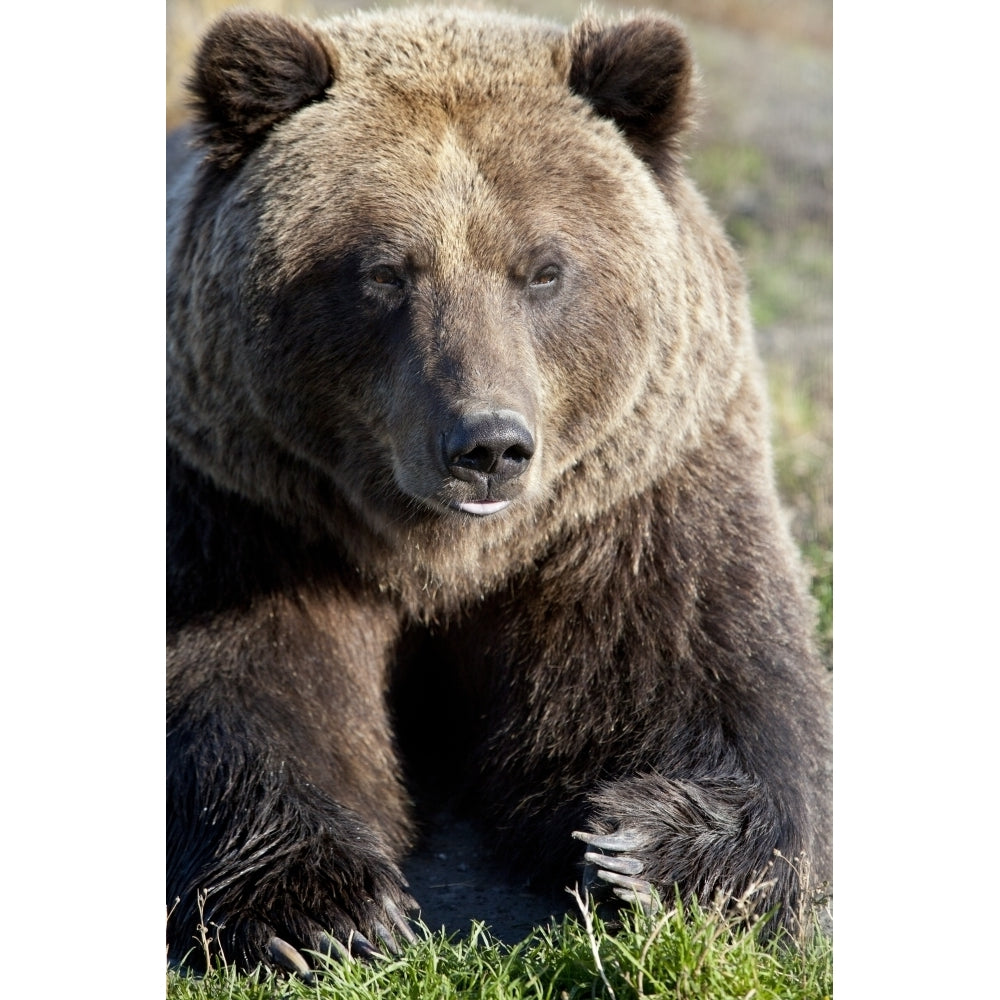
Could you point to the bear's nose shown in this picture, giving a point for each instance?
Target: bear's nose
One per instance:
(497, 444)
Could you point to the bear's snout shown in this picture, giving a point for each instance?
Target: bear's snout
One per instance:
(488, 447)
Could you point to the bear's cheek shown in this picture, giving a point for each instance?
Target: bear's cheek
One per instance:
(317, 368)
(590, 379)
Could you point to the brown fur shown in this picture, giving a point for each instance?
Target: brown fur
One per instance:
(391, 225)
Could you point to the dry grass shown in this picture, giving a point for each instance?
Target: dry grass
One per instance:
(807, 21)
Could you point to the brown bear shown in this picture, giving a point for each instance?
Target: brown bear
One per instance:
(469, 485)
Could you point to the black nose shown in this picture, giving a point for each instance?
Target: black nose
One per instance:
(497, 444)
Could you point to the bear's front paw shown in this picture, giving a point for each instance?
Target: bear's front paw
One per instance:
(343, 907)
(612, 864)
(708, 838)
(386, 919)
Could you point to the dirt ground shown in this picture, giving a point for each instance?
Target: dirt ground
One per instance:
(455, 880)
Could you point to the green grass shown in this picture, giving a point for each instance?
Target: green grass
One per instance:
(684, 953)
(788, 271)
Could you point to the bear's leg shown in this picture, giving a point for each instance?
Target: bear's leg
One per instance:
(670, 797)
(676, 724)
(286, 814)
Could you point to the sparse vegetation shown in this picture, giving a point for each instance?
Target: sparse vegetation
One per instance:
(803, 438)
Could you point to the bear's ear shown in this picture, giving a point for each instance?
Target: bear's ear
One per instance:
(252, 70)
(640, 74)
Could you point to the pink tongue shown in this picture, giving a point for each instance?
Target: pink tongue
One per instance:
(487, 507)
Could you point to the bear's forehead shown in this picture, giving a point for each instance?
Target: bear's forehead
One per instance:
(445, 98)
(421, 177)
(440, 200)
(425, 101)
(440, 52)
(454, 137)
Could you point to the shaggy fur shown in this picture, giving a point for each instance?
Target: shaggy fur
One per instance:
(468, 481)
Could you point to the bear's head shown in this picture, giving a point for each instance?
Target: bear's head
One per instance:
(443, 269)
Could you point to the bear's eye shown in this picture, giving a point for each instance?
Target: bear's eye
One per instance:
(544, 278)
(384, 277)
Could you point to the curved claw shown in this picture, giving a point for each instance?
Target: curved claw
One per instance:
(400, 921)
(624, 865)
(363, 948)
(624, 882)
(385, 936)
(332, 948)
(620, 840)
(289, 958)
